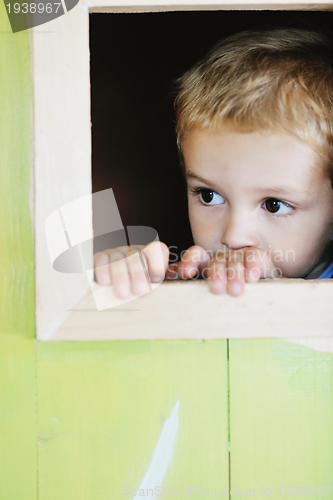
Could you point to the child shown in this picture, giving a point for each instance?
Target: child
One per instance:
(255, 136)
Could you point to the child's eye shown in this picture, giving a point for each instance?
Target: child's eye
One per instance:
(208, 196)
(273, 206)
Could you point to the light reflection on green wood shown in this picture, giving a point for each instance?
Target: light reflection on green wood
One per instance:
(102, 406)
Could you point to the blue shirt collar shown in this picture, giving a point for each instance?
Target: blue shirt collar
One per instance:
(328, 273)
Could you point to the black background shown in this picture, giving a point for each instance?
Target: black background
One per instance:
(134, 60)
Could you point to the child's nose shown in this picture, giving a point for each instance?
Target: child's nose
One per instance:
(239, 232)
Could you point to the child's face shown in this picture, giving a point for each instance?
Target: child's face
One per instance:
(258, 189)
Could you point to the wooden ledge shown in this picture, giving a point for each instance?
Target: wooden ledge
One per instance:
(185, 5)
(187, 310)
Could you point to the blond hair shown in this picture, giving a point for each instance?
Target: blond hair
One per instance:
(278, 79)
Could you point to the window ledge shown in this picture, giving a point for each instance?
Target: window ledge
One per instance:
(188, 310)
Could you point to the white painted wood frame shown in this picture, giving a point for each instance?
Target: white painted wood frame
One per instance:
(65, 308)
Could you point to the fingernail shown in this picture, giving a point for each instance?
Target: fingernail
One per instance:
(122, 291)
(236, 288)
(254, 274)
(141, 288)
(191, 270)
(105, 280)
(216, 286)
(156, 279)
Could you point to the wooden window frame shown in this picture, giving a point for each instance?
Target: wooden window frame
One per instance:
(294, 309)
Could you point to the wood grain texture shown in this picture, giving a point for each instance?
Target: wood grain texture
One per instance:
(180, 310)
(62, 148)
(281, 413)
(17, 368)
(102, 407)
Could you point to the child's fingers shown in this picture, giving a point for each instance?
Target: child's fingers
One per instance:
(194, 259)
(120, 274)
(254, 260)
(139, 277)
(128, 274)
(217, 275)
(102, 264)
(148, 265)
(156, 256)
(111, 268)
(127, 267)
(227, 273)
(102, 268)
(257, 264)
(172, 271)
(235, 276)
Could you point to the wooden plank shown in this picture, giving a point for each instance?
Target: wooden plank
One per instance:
(281, 413)
(270, 308)
(17, 369)
(172, 5)
(102, 407)
(62, 143)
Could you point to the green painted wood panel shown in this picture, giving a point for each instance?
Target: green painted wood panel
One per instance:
(102, 407)
(281, 413)
(17, 354)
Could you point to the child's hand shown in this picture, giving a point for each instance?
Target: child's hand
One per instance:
(112, 267)
(226, 272)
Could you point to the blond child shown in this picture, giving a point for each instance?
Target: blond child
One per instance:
(255, 137)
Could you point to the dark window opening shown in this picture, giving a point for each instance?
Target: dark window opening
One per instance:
(134, 59)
